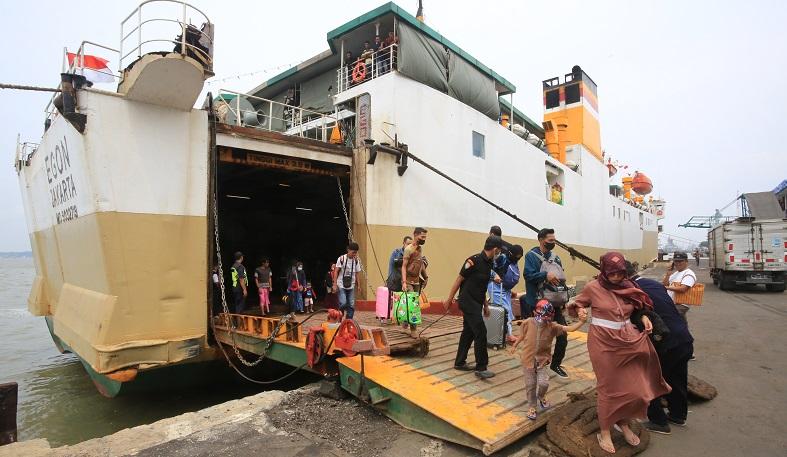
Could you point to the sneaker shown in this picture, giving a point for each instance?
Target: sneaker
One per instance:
(560, 372)
(678, 422)
(656, 428)
(464, 367)
(484, 374)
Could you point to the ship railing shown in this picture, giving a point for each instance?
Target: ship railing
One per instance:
(24, 151)
(366, 68)
(135, 41)
(243, 110)
(78, 64)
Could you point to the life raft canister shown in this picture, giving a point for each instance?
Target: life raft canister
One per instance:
(359, 72)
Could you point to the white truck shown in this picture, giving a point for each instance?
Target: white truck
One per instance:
(749, 251)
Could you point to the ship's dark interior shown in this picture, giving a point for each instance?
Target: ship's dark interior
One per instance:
(285, 216)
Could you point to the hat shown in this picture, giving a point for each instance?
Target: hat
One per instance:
(492, 242)
(680, 256)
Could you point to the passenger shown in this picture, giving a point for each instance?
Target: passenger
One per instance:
(349, 64)
(674, 354)
(697, 256)
(381, 58)
(537, 280)
(214, 279)
(240, 282)
(537, 333)
(623, 358)
(308, 297)
(471, 284)
(397, 254)
(295, 288)
(679, 278)
(414, 275)
(345, 278)
(262, 276)
(331, 300)
(501, 293)
(391, 39)
(366, 57)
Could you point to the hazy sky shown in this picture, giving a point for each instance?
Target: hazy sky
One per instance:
(692, 93)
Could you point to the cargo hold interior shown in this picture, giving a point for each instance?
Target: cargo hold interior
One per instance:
(285, 216)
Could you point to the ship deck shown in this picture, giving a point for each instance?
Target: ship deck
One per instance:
(427, 395)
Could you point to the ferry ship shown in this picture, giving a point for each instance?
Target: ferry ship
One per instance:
(132, 195)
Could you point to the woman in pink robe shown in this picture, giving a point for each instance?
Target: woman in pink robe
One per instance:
(624, 361)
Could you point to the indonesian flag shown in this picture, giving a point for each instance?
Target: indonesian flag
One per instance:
(94, 68)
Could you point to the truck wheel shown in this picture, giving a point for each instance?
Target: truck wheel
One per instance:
(774, 287)
(726, 282)
(715, 280)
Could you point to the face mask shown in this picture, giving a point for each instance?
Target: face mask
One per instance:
(300, 268)
(549, 246)
(421, 242)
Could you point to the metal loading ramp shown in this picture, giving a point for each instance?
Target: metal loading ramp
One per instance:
(428, 396)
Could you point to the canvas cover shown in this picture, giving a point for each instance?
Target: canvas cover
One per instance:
(422, 58)
(316, 93)
(429, 62)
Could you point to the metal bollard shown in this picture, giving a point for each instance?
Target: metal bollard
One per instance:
(9, 393)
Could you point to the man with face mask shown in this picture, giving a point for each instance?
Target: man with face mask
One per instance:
(535, 280)
(471, 284)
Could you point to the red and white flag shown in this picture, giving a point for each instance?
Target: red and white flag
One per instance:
(94, 68)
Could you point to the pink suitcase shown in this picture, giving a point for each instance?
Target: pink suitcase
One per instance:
(381, 305)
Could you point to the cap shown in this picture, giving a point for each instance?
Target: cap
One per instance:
(680, 256)
(493, 241)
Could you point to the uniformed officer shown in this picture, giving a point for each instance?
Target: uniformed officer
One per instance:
(471, 284)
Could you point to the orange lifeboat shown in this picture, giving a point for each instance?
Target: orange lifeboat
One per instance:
(641, 184)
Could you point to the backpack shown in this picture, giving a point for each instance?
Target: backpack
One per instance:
(394, 282)
(511, 278)
(556, 294)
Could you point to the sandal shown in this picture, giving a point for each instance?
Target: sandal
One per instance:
(632, 443)
(544, 403)
(608, 450)
(532, 414)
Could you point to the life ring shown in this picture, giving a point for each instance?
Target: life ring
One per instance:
(359, 72)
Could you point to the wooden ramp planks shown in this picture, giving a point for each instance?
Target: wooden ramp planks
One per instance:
(427, 395)
(492, 411)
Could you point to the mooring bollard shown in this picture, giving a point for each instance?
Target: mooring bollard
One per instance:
(8, 396)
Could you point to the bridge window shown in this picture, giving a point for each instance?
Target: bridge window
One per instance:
(479, 149)
(572, 93)
(552, 98)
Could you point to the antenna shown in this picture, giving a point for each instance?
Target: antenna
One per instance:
(420, 14)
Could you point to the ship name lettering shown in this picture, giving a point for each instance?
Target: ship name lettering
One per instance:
(57, 161)
(63, 191)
